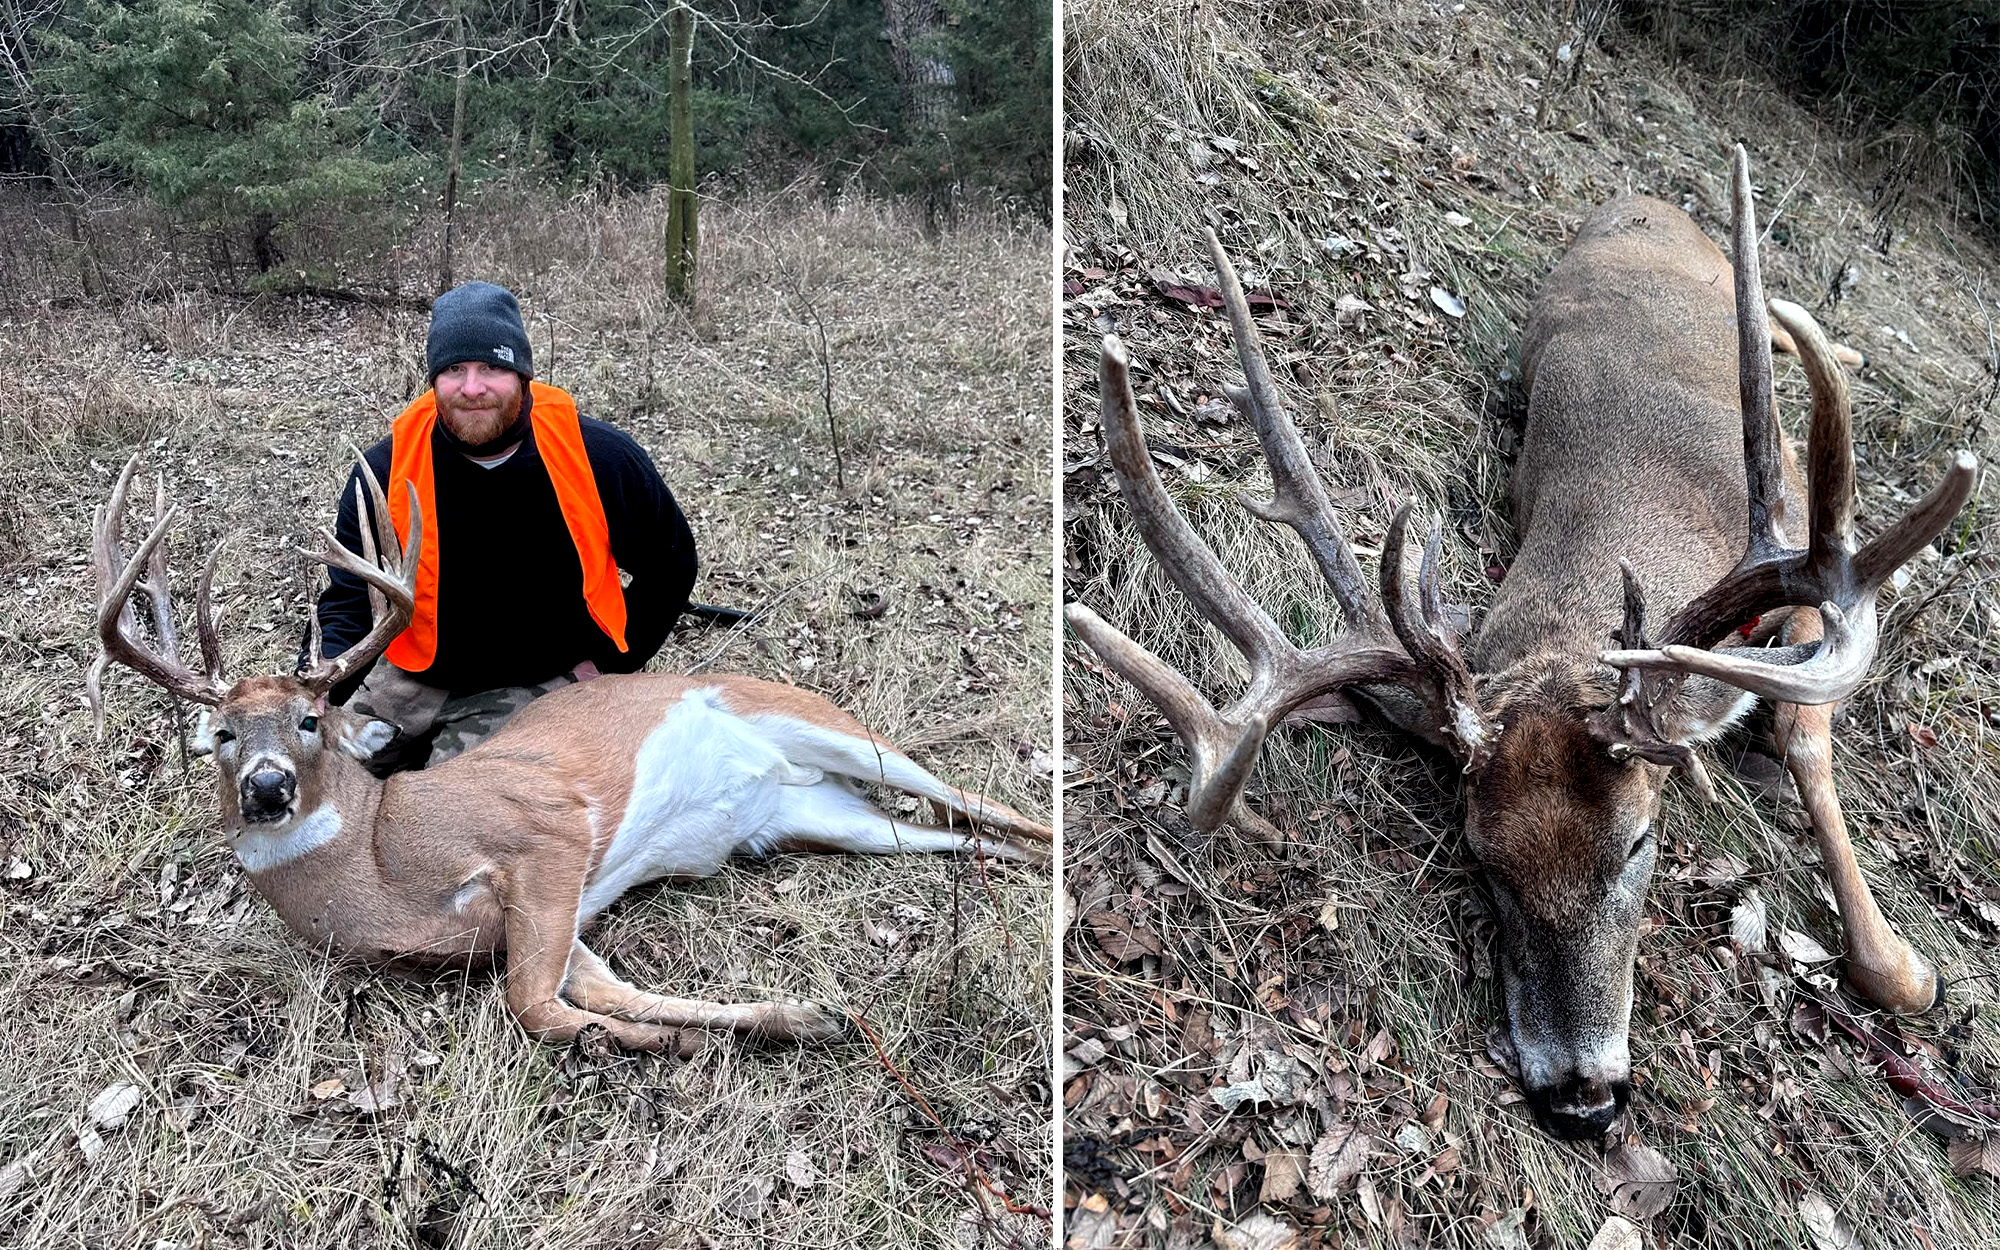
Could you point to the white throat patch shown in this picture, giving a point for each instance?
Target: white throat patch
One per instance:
(262, 849)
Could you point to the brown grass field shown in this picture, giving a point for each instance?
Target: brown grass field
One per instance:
(1349, 150)
(282, 1100)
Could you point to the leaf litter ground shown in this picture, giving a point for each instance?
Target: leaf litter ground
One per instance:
(1287, 1047)
(179, 1071)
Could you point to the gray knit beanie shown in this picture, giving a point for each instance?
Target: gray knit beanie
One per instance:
(478, 321)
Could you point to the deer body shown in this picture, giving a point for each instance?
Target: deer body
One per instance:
(1633, 447)
(516, 845)
(1651, 471)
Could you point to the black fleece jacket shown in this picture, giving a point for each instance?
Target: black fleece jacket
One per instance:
(510, 587)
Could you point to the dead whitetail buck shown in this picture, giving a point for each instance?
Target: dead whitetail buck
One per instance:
(1631, 486)
(519, 843)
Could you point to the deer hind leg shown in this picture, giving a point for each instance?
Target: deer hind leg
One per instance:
(830, 817)
(541, 932)
(875, 762)
(593, 986)
(1880, 964)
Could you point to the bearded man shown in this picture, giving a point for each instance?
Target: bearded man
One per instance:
(553, 551)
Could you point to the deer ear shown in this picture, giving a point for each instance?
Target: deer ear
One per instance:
(362, 738)
(202, 740)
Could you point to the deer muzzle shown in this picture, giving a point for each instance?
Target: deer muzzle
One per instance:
(266, 794)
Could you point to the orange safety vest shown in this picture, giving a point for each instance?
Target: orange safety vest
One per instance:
(559, 439)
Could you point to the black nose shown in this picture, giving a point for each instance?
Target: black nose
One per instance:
(1580, 1109)
(267, 793)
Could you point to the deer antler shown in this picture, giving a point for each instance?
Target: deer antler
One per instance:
(386, 564)
(1407, 645)
(118, 621)
(1827, 572)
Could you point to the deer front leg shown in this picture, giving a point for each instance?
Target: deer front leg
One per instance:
(1880, 964)
(593, 986)
(541, 930)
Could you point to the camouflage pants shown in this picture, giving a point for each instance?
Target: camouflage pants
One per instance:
(432, 725)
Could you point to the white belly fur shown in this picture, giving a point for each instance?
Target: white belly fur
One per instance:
(706, 785)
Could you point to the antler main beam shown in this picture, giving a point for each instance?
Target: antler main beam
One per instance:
(1406, 645)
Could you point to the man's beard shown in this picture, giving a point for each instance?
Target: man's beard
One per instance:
(474, 425)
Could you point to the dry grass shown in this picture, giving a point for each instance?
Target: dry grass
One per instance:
(1359, 952)
(130, 951)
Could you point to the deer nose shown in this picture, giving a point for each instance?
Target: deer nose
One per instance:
(267, 793)
(1583, 1108)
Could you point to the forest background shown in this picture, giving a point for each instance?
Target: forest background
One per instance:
(297, 146)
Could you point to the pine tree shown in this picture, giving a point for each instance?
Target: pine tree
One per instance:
(201, 103)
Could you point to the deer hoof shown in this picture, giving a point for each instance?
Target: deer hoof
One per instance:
(1905, 987)
(801, 1021)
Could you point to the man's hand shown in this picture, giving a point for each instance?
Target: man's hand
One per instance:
(585, 671)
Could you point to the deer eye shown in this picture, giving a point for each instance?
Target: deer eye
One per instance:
(309, 724)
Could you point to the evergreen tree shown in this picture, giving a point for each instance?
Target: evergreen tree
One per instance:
(201, 103)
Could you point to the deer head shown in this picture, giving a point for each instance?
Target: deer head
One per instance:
(273, 738)
(1565, 754)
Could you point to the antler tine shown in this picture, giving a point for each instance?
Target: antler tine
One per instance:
(1829, 440)
(204, 612)
(397, 588)
(1762, 468)
(117, 621)
(1299, 496)
(1189, 561)
(1420, 626)
(1300, 501)
(1224, 745)
(158, 592)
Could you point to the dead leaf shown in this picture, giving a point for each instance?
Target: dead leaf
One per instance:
(1120, 938)
(799, 1170)
(1450, 305)
(1801, 948)
(1457, 219)
(1337, 1158)
(1829, 1231)
(1618, 1233)
(1283, 1170)
(1259, 1232)
(111, 1108)
(1748, 921)
(1639, 1179)
(1923, 735)
(331, 1087)
(1506, 1233)
(1970, 1155)
(1092, 1226)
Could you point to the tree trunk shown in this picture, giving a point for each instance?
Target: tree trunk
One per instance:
(454, 165)
(926, 80)
(263, 249)
(682, 231)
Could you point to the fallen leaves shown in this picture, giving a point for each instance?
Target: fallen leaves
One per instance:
(1829, 1231)
(1337, 1158)
(1618, 1233)
(1639, 1180)
(1259, 1232)
(1973, 1155)
(1123, 939)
